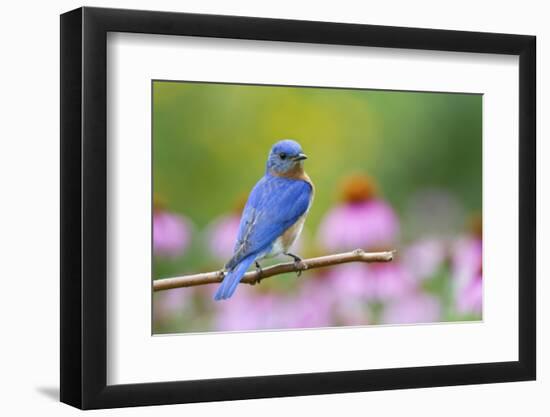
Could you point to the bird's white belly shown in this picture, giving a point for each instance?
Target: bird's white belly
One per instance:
(277, 248)
(284, 242)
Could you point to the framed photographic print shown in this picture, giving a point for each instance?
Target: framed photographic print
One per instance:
(258, 207)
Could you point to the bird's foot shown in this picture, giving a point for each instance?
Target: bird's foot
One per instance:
(295, 257)
(259, 272)
(298, 264)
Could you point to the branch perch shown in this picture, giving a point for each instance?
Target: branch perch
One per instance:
(252, 277)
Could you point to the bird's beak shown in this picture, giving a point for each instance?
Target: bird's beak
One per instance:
(300, 157)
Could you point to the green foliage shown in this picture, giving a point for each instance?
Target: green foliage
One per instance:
(211, 141)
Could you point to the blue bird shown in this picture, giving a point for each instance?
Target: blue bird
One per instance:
(273, 216)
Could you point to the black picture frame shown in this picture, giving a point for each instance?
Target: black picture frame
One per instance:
(84, 207)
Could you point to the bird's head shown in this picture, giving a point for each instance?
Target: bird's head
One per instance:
(285, 157)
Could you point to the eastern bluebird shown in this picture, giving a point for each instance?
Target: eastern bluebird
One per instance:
(273, 216)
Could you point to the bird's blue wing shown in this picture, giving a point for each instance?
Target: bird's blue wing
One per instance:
(274, 204)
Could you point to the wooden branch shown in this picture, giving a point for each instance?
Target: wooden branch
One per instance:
(252, 277)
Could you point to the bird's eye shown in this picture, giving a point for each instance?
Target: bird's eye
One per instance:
(282, 155)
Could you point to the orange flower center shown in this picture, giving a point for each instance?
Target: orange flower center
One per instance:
(476, 225)
(358, 187)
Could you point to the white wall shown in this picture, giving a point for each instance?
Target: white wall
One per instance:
(29, 176)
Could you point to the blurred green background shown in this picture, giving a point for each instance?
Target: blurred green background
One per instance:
(211, 141)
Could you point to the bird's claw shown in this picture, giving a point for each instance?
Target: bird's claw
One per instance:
(298, 264)
(259, 273)
(295, 257)
(300, 267)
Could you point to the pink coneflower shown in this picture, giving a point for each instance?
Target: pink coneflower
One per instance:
(424, 257)
(168, 304)
(415, 308)
(221, 234)
(362, 220)
(251, 310)
(242, 312)
(381, 282)
(351, 313)
(171, 233)
(349, 281)
(390, 281)
(312, 307)
(470, 299)
(467, 270)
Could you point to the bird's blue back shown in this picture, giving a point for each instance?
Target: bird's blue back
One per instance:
(274, 204)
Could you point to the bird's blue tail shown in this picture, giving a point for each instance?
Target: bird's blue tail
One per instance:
(232, 279)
